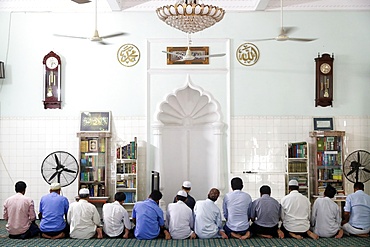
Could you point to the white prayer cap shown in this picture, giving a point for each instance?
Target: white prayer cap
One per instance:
(186, 184)
(55, 186)
(182, 193)
(84, 191)
(293, 182)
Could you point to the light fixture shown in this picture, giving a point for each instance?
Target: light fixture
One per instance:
(190, 16)
(2, 70)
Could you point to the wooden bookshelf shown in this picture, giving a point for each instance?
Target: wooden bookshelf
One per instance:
(328, 153)
(93, 160)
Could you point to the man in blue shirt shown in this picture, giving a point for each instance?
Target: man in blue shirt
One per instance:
(265, 214)
(236, 209)
(356, 217)
(53, 209)
(148, 218)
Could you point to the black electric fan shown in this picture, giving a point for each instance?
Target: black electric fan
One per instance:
(60, 167)
(356, 167)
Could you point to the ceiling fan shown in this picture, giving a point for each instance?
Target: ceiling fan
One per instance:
(284, 31)
(96, 37)
(189, 55)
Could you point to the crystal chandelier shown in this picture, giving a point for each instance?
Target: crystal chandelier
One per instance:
(189, 16)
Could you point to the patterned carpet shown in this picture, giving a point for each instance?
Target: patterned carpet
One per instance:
(253, 242)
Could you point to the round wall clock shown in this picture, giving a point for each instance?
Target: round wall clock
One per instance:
(247, 54)
(128, 55)
(325, 68)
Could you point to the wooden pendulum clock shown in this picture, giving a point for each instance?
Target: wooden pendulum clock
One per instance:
(52, 81)
(324, 80)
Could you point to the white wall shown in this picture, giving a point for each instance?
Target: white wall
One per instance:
(271, 102)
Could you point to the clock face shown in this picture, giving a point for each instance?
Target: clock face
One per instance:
(51, 62)
(325, 68)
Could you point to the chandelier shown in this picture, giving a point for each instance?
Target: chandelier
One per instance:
(189, 16)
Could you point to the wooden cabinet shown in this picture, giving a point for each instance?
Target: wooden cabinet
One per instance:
(93, 161)
(126, 172)
(328, 158)
(297, 166)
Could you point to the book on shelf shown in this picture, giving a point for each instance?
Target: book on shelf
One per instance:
(84, 146)
(130, 197)
(128, 151)
(96, 190)
(102, 145)
(297, 167)
(297, 150)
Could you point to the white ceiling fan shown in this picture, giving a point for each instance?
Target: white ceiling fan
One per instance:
(284, 31)
(96, 37)
(189, 55)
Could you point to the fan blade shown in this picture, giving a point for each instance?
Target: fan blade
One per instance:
(254, 40)
(53, 176)
(366, 170)
(301, 39)
(81, 1)
(112, 35)
(68, 170)
(69, 36)
(350, 172)
(58, 162)
(173, 53)
(211, 55)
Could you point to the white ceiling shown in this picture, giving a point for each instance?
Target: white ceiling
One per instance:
(146, 5)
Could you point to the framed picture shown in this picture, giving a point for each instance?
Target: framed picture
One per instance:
(95, 121)
(173, 59)
(93, 145)
(323, 124)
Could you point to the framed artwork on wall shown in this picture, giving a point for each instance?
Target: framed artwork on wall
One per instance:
(95, 121)
(323, 124)
(173, 59)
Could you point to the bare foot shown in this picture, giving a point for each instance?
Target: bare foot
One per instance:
(235, 235)
(264, 236)
(280, 234)
(99, 232)
(60, 235)
(365, 235)
(312, 235)
(296, 236)
(46, 236)
(224, 235)
(339, 234)
(246, 236)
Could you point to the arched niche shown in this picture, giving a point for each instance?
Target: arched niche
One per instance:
(189, 140)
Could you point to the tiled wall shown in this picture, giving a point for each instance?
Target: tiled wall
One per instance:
(257, 145)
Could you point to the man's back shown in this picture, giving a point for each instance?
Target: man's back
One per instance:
(19, 213)
(83, 218)
(149, 218)
(180, 220)
(295, 212)
(53, 207)
(358, 204)
(207, 219)
(115, 217)
(236, 208)
(325, 217)
(267, 210)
